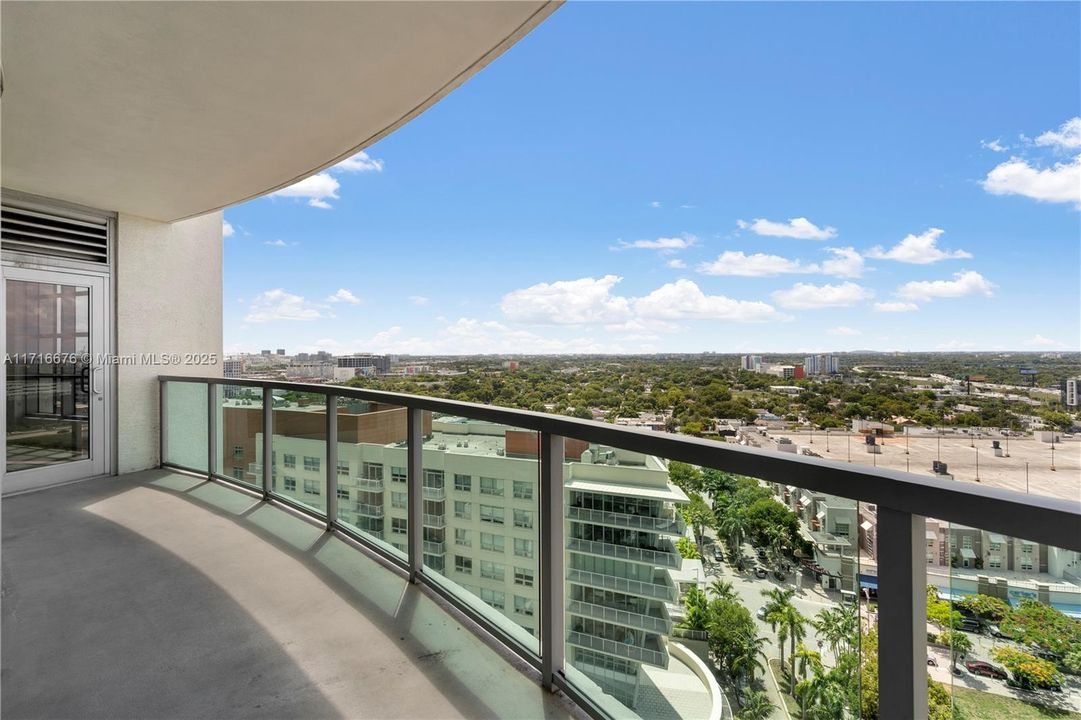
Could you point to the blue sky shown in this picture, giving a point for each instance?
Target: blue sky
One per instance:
(701, 177)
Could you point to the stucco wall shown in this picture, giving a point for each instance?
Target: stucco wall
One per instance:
(168, 300)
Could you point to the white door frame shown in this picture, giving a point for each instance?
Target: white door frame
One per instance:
(102, 391)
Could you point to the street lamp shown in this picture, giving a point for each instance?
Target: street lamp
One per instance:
(827, 439)
(977, 462)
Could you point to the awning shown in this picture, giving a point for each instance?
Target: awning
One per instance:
(967, 554)
(869, 581)
(867, 524)
(932, 535)
(820, 514)
(996, 538)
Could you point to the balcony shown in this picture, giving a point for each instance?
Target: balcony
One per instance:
(656, 591)
(434, 493)
(656, 655)
(672, 524)
(647, 556)
(434, 521)
(375, 511)
(651, 623)
(177, 597)
(370, 484)
(434, 548)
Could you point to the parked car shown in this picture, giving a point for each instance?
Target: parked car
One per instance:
(970, 625)
(979, 667)
(1054, 686)
(762, 553)
(996, 632)
(717, 556)
(760, 572)
(931, 661)
(761, 614)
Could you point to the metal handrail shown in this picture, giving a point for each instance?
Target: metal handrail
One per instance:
(672, 525)
(1051, 521)
(623, 617)
(624, 552)
(658, 591)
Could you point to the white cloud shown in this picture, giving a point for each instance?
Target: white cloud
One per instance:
(800, 228)
(895, 307)
(317, 188)
(734, 262)
(589, 301)
(684, 300)
(676, 264)
(843, 330)
(1039, 341)
(919, 249)
(666, 245)
(805, 296)
(846, 263)
(568, 302)
(275, 243)
(1059, 183)
(361, 162)
(344, 296)
(966, 282)
(418, 299)
(994, 146)
(655, 204)
(226, 228)
(1067, 137)
(278, 304)
(688, 207)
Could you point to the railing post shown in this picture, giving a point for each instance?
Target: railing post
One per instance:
(268, 435)
(415, 487)
(551, 558)
(902, 615)
(163, 414)
(211, 430)
(332, 460)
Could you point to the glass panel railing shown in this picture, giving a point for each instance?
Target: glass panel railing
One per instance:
(371, 452)
(298, 449)
(239, 428)
(481, 523)
(1004, 623)
(679, 576)
(185, 425)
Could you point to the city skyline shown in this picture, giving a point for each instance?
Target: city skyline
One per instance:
(943, 186)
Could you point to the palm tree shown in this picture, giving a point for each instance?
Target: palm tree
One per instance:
(795, 624)
(837, 627)
(807, 659)
(747, 657)
(733, 524)
(696, 605)
(756, 707)
(959, 645)
(723, 589)
(775, 600)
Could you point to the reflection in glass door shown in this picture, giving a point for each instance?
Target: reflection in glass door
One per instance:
(54, 404)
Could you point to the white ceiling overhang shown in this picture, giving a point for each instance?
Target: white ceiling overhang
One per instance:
(170, 110)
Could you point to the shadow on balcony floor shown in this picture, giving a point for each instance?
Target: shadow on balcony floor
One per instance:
(156, 595)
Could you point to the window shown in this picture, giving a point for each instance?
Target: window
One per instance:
(399, 526)
(311, 464)
(840, 529)
(491, 486)
(523, 519)
(398, 474)
(523, 548)
(492, 570)
(343, 467)
(1026, 549)
(523, 576)
(463, 482)
(463, 564)
(488, 541)
(996, 547)
(523, 606)
(966, 542)
(290, 484)
(930, 558)
(400, 547)
(238, 451)
(238, 473)
(398, 500)
(492, 514)
(994, 563)
(523, 490)
(343, 493)
(311, 487)
(1026, 564)
(496, 599)
(461, 537)
(463, 510)
(373, 471)
(433, 478)
(289, 460)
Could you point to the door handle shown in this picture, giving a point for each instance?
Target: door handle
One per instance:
(94, 387)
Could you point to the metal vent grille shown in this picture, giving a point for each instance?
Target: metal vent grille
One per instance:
(41, 233)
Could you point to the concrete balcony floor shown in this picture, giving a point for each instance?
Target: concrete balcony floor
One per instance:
(158, 595)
